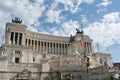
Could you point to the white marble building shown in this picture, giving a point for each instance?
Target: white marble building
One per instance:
(32, 54)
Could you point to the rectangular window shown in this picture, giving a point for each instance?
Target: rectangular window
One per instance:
(33, 59)
(17, 60)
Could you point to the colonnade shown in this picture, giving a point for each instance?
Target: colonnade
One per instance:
(15, 38)
(88, 47)
(47, 47)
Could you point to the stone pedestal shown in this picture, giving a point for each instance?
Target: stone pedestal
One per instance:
(3, 63)
(3, 68)
(45, 68)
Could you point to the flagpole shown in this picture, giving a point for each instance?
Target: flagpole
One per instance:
(86, 59)
(98, 47)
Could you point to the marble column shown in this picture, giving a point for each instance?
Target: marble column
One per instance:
(23, 39)
(13, 37)
(37, 46)
(67, 48)
(18, 39)
(8, 35)
(43, 47)
(40, 47)
(49, 51)
(58, 48)
(46, 47)
(33, 44)
(64, 49)
(89, 47)
(52, 48)
(55, 48)
(85, 46)
(61, 49)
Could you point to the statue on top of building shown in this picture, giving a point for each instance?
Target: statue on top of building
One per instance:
(17, 20)
(71, 39)
(79, 31)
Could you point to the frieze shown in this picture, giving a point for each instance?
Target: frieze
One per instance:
(15, 26)
(46, 37)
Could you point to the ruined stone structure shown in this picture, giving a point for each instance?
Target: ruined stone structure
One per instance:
(35, 56)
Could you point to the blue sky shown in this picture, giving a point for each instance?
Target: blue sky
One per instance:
(100, 19)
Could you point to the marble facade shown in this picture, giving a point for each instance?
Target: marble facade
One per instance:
(32, 55)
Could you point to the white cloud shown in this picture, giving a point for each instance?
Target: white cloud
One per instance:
(27, 11)
(30, 11)
(84, 19)
(101, 10)
(67, 28)
(87, 1)
(102, 6)
(73, 5)
(105, 3)
(53, 16)
(106, 31)
(57, 32)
